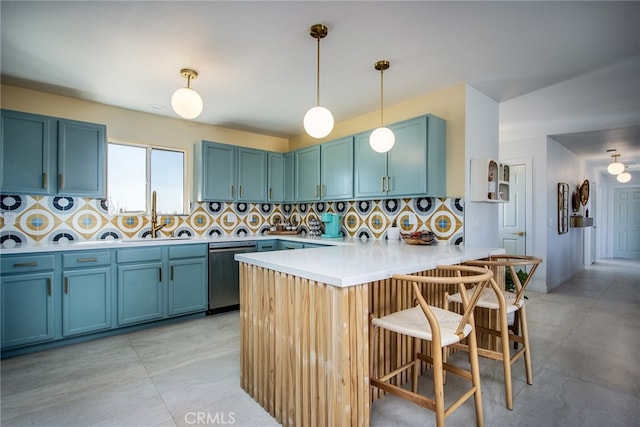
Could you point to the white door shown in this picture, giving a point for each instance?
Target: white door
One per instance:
(626, 223)
(512, 216)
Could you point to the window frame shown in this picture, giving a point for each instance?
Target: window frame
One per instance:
(148, 150)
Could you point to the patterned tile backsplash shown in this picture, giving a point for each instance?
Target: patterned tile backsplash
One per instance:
(44, 218)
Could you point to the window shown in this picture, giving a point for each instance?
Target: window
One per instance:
(135, 171)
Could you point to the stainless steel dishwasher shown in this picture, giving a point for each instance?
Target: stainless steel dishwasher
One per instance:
(224, 287)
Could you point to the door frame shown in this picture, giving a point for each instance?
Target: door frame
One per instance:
(528, 198)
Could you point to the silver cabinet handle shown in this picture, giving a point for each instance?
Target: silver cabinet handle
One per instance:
(233, 191)
(60, 181)
(241, 192)
(87, 259)
(382, 183)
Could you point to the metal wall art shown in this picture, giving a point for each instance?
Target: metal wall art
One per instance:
(563, 207)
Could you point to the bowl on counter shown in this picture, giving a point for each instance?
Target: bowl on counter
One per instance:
(419, 238)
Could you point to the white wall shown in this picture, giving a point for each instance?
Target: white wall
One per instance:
(481, 140)
(564, 251)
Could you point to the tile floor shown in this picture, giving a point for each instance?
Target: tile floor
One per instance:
(584, 337)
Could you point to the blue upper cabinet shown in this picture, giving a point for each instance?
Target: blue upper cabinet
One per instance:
(82, 159)
(252, 175)
(336, 176)
(26, 154)
(415, 166)
(229, 173)
(289, 177)
(215, 169)
(307, 174)
(31, 144)
(275, 179)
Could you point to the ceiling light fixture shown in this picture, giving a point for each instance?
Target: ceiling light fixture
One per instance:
(624, 177)
(185, 101)
(382, 138)
(318, 121)
(615, 167)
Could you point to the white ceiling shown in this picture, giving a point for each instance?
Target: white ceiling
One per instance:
(257, 62)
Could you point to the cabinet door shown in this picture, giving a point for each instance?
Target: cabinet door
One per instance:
(336, 159)
(252, 175)
(407, 160)
(289, 177)
(275, 181)
(187, 286)
(27, 309)
(86, 300)
(307, 176)
(82, 159)
(370, 168)
(218, 172)
(139, 292)
(26, 142)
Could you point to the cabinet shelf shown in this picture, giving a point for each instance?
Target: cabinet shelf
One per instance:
(489, 181)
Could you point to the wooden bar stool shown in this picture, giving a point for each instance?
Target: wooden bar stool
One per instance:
(441, 328)
(504, 303)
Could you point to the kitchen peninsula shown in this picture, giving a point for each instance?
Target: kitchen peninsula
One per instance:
(304, 324)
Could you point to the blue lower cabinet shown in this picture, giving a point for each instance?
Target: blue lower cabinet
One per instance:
(86, 300)
(187, 286)
(139, 293)
(27, 308)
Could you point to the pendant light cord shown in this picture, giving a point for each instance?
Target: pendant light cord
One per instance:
(381, 97)
(318, 75)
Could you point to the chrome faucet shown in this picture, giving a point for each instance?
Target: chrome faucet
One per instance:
(155, 226)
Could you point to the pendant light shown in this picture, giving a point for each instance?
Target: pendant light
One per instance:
(382, 138)
(185, 101)
(624, 177)
(615, 167)
(318, 121)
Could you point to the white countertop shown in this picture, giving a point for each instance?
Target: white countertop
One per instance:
(361, 262)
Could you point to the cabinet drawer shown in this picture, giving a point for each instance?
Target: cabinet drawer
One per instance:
(86, 259)
(137, 255)
(26, 263)
(187, 251)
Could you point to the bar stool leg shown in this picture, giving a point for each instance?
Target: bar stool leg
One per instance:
(438, 383)
(525, 339)
(506, 359)
(475, 375)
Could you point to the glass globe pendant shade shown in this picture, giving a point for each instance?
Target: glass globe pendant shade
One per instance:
(615, 168)
(318, 122)
(624, 177)
(382, 139)
(187, 103)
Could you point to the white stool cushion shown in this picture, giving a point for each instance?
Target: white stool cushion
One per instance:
(488, 299)
(414, 323)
